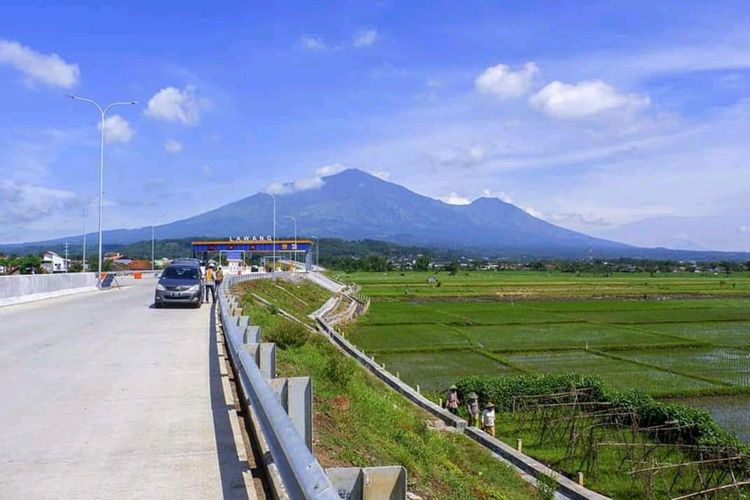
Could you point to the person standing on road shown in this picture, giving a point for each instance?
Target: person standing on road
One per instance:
(473, 408)
(452, 401)
(488, 419)
(210, 283)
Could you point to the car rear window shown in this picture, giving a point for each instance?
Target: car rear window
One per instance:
(182, 272)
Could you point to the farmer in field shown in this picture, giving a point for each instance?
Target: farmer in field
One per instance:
(452, 402)
(488, 419)
(473, 408)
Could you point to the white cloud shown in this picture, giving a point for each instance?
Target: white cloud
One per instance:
(117, 130)
(175, 105)
(501, 82)
(744, 229)
(172, 146)
(455, 199)
(380, 174)
(23, 202)
(309, 42)
(365, 38)
(207, 170)
(50, 69)
(334, 168)
(587, 98)
(293, 187)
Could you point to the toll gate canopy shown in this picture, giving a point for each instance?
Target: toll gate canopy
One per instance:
(253, 245)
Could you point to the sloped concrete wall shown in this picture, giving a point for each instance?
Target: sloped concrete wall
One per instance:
(25, 288)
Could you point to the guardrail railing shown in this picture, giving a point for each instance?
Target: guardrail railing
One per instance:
(301, 474)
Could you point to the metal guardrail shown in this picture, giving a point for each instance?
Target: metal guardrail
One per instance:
(301, 474)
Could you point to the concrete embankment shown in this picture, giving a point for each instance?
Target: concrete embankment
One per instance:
(27, 288)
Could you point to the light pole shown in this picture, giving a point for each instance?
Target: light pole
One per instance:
(317, 253)
(295, 235)
(153, 262)
(85, 229)
(103, 112)
(274, 229)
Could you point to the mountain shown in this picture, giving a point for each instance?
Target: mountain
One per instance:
(355, 205)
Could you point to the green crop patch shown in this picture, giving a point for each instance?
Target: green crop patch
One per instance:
(407, 336)
(735, 333)
(727, 365)
(617, 373)
(558, 336)
(438, 370)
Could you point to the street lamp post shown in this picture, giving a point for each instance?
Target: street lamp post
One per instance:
(273, 270)
(103, 112)
(153, 262)
(317, 253)
(295, 236)
(85, 229)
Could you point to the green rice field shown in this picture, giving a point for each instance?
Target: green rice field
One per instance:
(674, 335)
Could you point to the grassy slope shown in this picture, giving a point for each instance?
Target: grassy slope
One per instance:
(359, 422)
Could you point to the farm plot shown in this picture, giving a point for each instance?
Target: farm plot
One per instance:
(731, 366)
(409, 336)
(617, 373)
(558, 336)
(438, 370)
(733, 333)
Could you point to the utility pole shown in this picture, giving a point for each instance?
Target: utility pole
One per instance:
(102, 112)
(66, 256)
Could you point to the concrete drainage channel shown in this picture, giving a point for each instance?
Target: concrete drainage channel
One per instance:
(278, 413)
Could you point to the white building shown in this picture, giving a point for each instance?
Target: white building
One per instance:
(53, 263)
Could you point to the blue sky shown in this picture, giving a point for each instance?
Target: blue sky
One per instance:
(592, 115)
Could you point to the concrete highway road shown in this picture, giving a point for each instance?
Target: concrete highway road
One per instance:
(103, 396)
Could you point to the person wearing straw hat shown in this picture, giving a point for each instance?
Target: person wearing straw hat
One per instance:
(452, 402)
(472, 407)
(488, 419)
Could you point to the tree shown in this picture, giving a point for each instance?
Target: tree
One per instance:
(452, 267)
(422, 263)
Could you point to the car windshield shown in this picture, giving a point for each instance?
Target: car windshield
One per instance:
(182, 272)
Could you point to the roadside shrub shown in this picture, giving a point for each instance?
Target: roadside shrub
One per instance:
(339, 370)
(287, 334)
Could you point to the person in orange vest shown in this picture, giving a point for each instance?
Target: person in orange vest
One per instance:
(210, 283)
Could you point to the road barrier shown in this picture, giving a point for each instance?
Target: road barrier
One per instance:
(18, 289)
(299, 472)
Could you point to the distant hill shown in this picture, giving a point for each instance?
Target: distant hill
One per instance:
(354, 205)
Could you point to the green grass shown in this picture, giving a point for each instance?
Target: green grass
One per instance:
(405, 336)
(358, 422)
